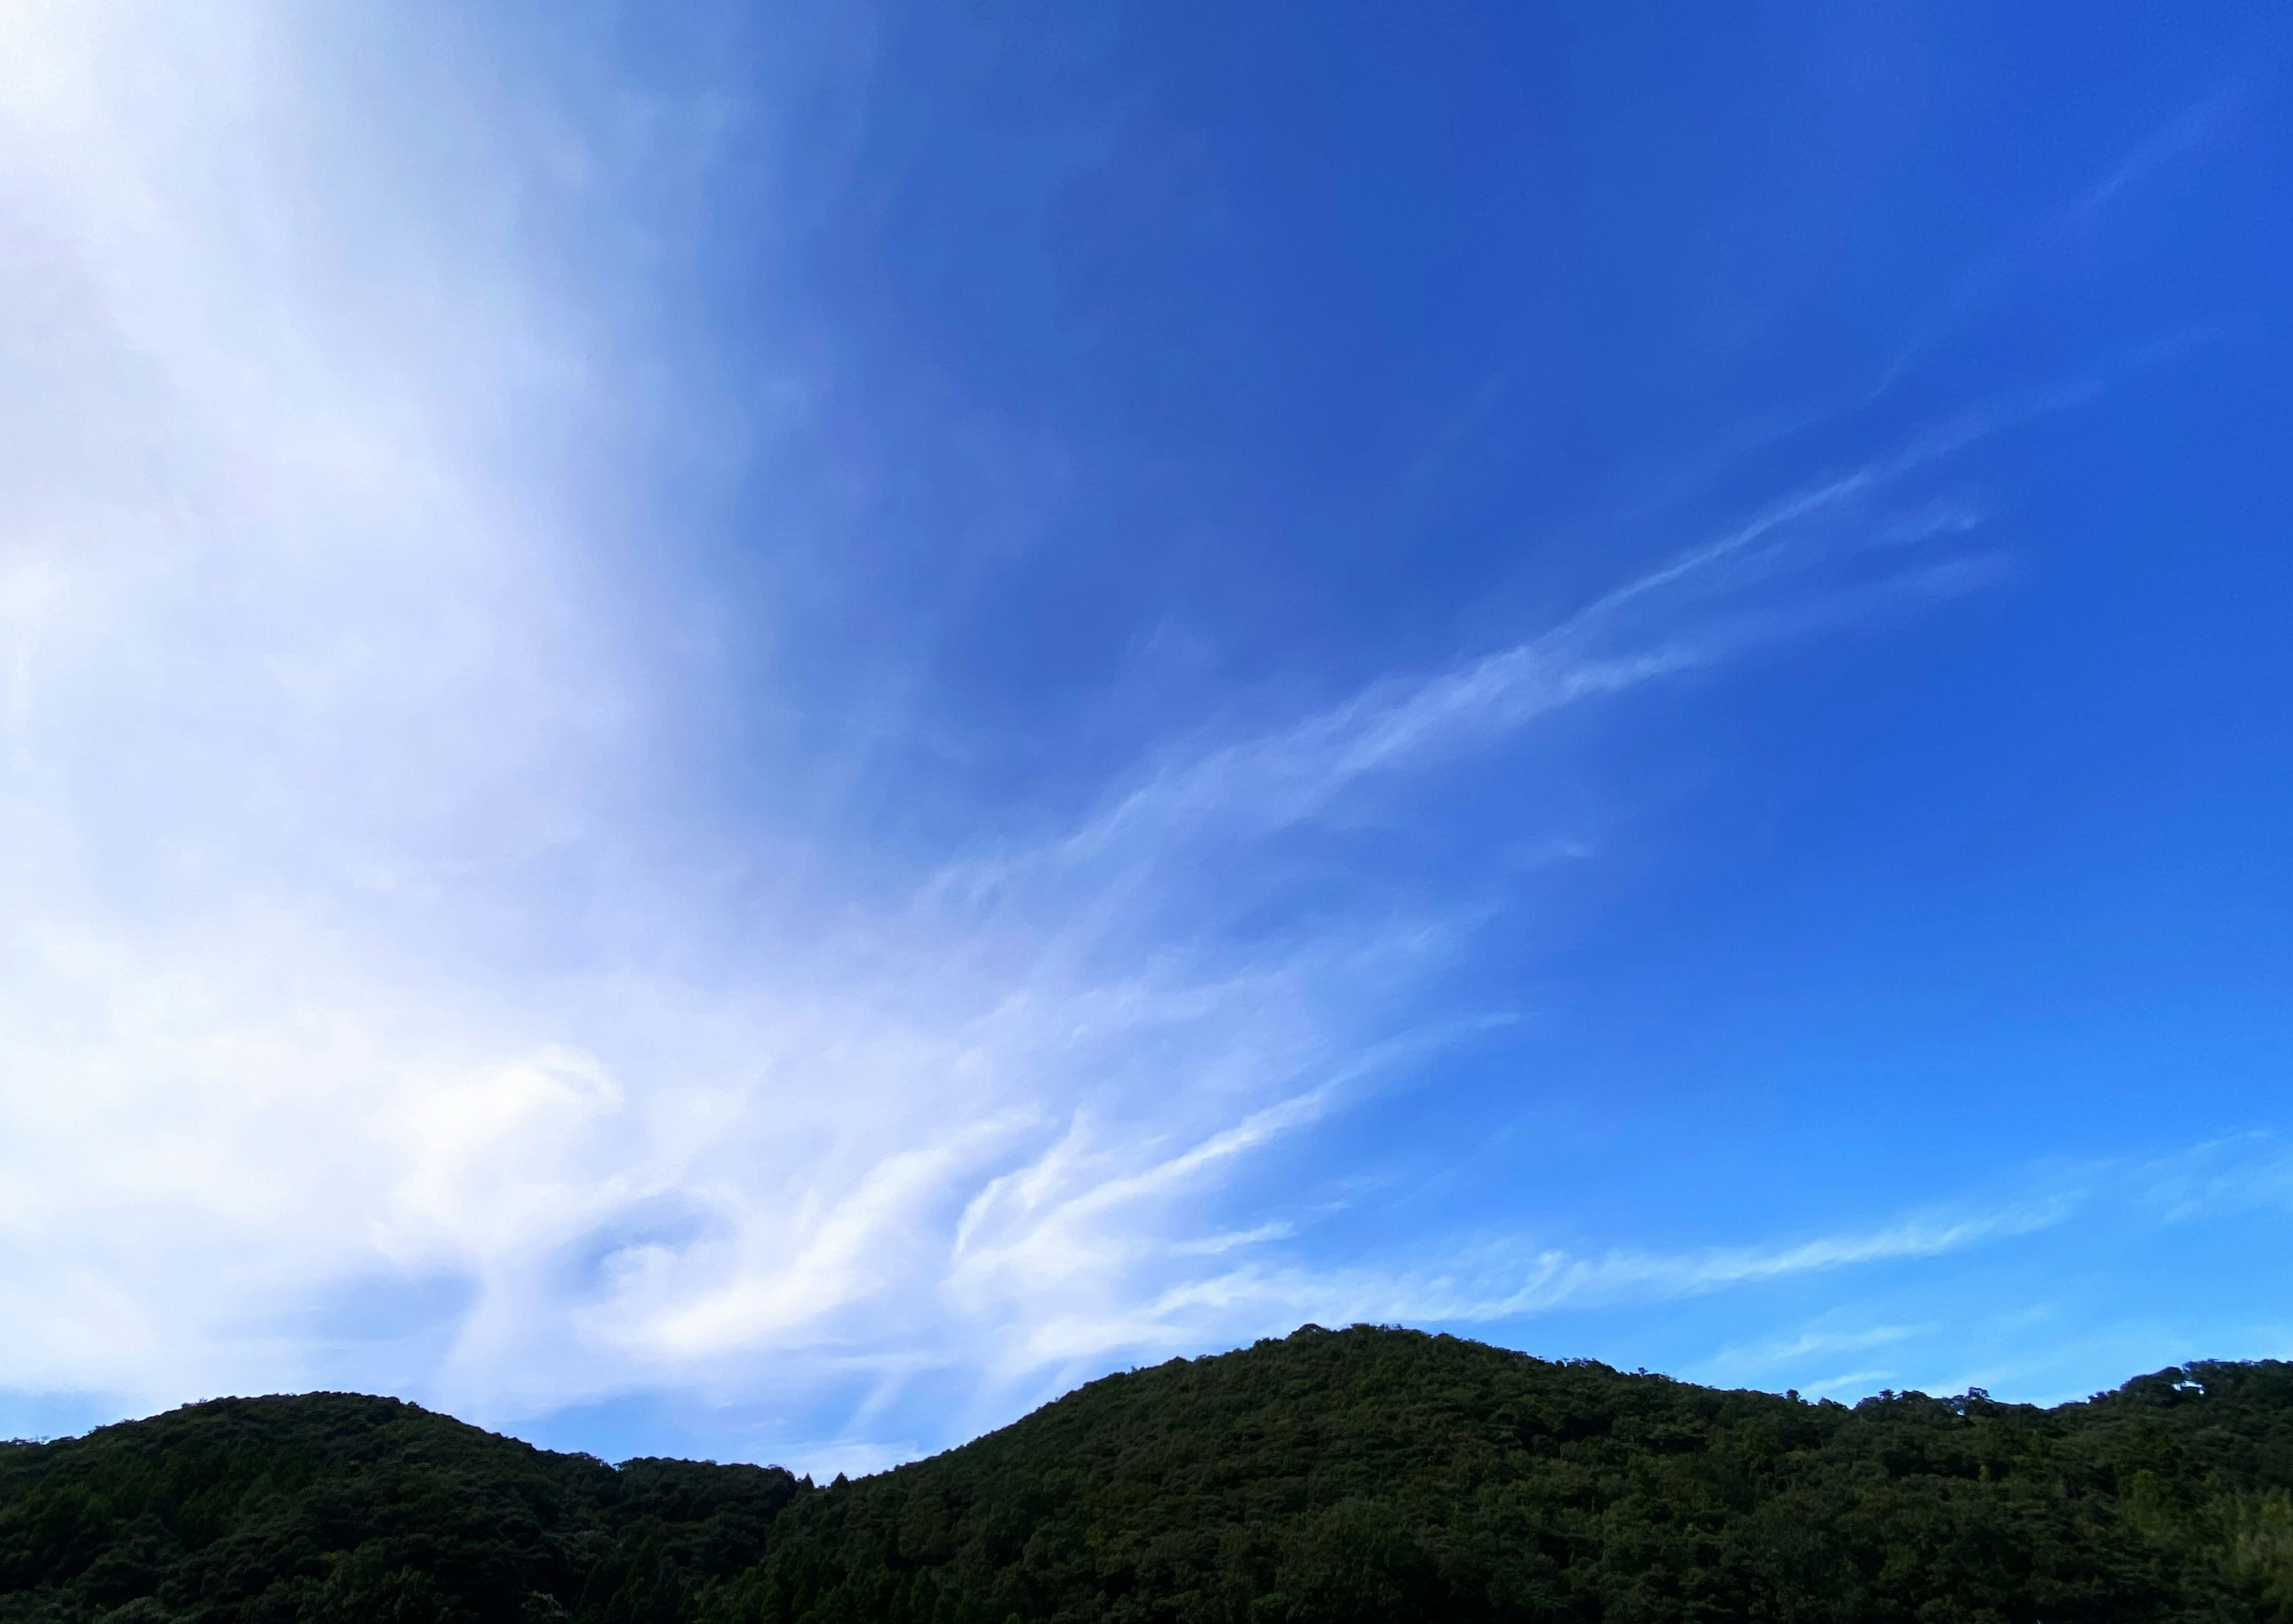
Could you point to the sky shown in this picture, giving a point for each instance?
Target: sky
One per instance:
(758, 732)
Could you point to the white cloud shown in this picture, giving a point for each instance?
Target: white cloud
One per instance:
(326, 793)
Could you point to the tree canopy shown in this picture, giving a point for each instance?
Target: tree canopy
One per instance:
(1360, 1474)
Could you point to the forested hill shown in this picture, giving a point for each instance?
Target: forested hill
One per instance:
(1360, 1474)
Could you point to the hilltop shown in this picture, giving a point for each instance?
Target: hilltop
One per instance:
(1332, 1475)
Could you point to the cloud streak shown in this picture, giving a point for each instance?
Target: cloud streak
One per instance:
(2189, 131)
(349, 942)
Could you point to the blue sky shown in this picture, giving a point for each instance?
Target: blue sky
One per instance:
(759, 734)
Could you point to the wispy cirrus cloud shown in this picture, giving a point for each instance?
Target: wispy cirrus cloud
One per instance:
(368, 1017)
(2050, 232)
(1505, 1279)
(1752, 583)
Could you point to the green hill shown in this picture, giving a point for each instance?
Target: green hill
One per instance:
(1359, 1475)
(336, 1506)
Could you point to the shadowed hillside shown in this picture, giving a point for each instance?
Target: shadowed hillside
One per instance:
(1361, 1474)
(335, 1507)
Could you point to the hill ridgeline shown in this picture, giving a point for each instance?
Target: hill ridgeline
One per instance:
(1364, 1474)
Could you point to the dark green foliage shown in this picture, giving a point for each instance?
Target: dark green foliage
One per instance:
(1378, 1475)
(1332, 1477)
(360, 1511)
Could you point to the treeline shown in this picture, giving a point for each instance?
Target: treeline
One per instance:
(336, 1507)
(1366, 1474)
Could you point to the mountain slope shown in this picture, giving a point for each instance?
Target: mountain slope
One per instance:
(336, 1506)
(1373, 1474)
(1359, 1475)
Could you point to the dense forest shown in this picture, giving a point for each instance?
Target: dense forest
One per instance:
(1332, 1475)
